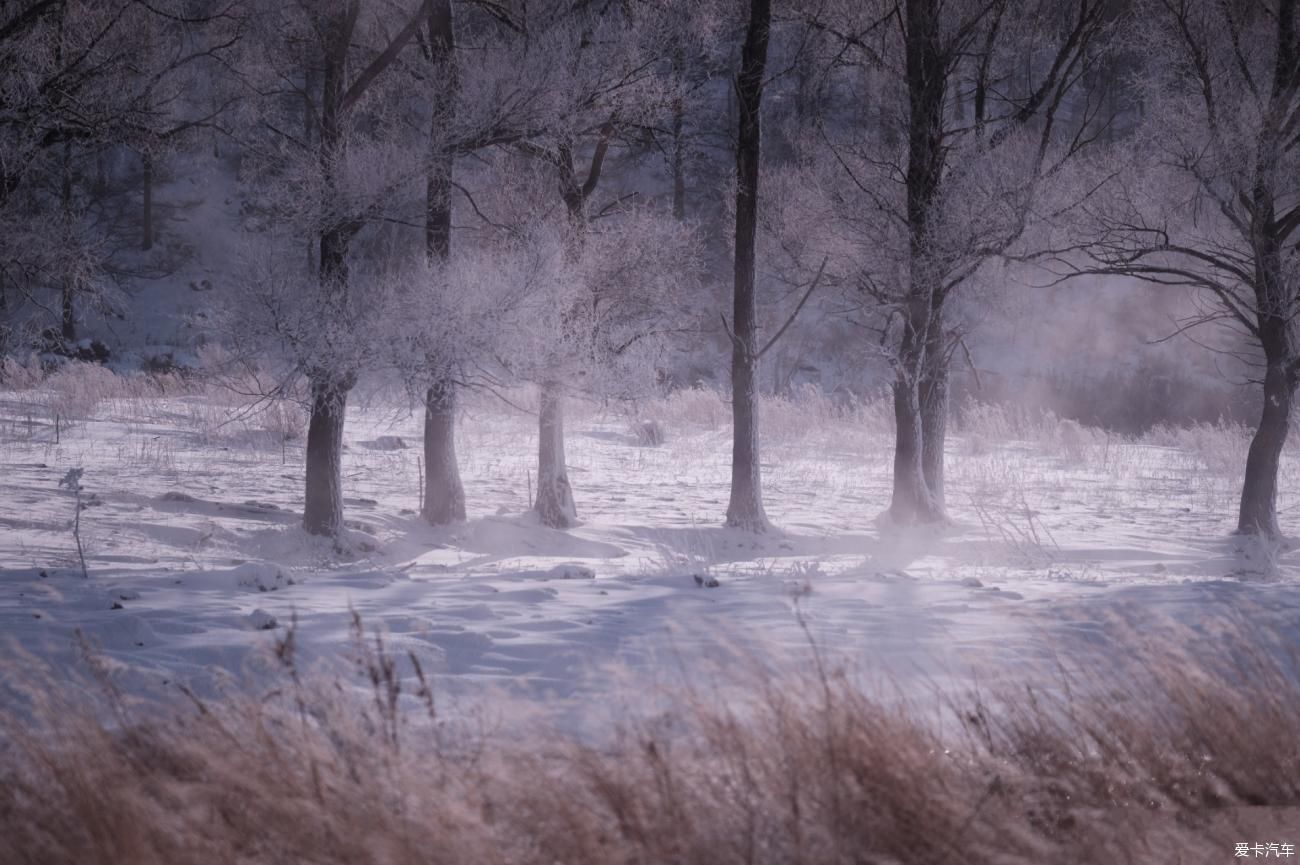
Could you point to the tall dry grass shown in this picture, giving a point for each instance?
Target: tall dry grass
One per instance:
(1161, 760)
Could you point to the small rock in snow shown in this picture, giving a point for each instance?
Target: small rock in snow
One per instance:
(970, 583)
(261, 576)
(706, 581)
(261, 620)
(385, 443)
(572, 572)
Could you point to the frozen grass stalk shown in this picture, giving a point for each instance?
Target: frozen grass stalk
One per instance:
(72, 480)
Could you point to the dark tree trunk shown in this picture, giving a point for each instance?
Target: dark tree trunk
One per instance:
(555, 506)
(933, 393)
(444, 497)
(68, 315)
(146, 234)
(68, 327)
(1258, 514)
(679, 141)
(308, 136)
(679, 164)
(6, 329)
(323, 510)
(912, 502)
(745, 509)
(926, 81)
(934, 430)
(1275, 298)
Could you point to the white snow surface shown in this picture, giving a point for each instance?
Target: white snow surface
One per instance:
(197, 563)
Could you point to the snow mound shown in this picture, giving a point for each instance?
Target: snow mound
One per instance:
(249, 576)
(261, 576)
(121, 632)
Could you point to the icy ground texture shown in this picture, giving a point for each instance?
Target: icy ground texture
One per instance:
(196, 560)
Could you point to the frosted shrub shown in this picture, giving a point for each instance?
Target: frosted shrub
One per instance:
(699, 407)
(1006, 422)
(76, 389)
(982, 423)
(286, 419)
(807, 409)
(975, 445)
(19, 375)
(1220, 449)
(649, 433)
(785, 419)
(1073, 440)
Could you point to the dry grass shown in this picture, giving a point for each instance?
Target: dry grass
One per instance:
(1163, 760)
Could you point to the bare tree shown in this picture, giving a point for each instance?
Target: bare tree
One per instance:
(607, 71)
(444, 494)
(1208, 197)
(930, 193)
(331, 184)
(745, 508)
(73, 83)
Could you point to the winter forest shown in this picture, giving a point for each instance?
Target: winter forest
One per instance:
(649, 431)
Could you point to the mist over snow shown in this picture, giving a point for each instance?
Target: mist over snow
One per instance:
(378, 377)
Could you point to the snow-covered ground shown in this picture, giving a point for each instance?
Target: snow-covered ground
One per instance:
(1061, 538)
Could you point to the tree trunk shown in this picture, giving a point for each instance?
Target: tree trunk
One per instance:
(1258, 515)
(444, 497)
(555, 506)
(926, 80)
(745, 509)
(68, 315)
(1275, 299)
(934, 431)
(679, 142)
(912, 501)
(679, 164)
(331, 379)
(146, 239)
(323, 508)
(933, 392)
(323, 511)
